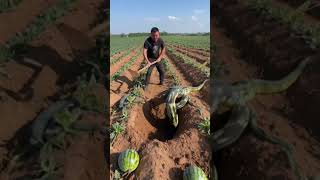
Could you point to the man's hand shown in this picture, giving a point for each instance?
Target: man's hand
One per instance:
(149, 63)
(158, 60)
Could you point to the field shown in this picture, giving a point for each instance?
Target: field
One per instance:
(52, 102)
(141, 123)
(266, 39)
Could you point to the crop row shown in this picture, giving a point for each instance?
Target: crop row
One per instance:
(124, 67)
(126, 53)
(187, 60)
(199, 42)
(194, 55)
(37, 26)
(125, 104)
(294, 18)
(171, 73)
(119, 43)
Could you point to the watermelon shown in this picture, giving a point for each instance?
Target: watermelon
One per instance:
(128, 160)
(194, 173)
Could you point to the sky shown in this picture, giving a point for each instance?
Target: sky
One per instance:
(174, 16)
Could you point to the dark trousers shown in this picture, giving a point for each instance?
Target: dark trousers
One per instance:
(160, 68)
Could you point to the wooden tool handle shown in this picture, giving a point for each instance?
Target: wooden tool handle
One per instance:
(146, 67)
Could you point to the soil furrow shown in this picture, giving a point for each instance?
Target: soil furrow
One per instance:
(22, 15)
(194, 50)
(117, 55)
(201, 59)
(196, 76)
(121, 85)
(185, 82)
(122, 62)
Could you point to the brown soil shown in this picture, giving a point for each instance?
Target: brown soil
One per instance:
(187, 147)
(255, 52)
(164, 152)
(122, 84)
(21, 16)
(31, 88)
(201, 59)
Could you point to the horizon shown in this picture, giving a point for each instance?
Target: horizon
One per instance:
(161, 32)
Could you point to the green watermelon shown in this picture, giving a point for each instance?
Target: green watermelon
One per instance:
(128, 160)
(194, 173)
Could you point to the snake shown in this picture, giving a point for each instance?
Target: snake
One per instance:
(233, 97)
(175, 92)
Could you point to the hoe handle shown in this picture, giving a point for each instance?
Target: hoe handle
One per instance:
(147, 66)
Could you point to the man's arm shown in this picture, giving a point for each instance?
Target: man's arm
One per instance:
(161, 54)
(163, 49)
(145, 55)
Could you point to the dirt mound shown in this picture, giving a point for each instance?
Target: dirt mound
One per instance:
(79, 162)
(167, 160)
(155, 162)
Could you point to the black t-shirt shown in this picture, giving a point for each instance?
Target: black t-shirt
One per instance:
(153, 51)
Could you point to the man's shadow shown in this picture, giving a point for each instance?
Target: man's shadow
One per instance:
(123, 80)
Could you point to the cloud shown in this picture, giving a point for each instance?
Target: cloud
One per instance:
(198, 11)
(173, 18)
(194, 18)
(152, 19)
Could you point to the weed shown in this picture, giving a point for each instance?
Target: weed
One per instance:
(117, 129)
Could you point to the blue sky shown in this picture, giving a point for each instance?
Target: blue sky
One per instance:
(176, 16)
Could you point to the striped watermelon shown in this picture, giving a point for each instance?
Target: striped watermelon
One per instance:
(128, 160)
(194, 173)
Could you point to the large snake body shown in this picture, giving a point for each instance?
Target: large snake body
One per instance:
(233, 97)
(178, 92)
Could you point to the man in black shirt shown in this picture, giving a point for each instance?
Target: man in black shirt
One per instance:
(154, 49)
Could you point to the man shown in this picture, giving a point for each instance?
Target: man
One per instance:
(153, 51)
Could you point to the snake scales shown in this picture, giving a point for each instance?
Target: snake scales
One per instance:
(233, 97)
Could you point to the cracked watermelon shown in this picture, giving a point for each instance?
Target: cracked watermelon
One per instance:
(194, 173)
(128, 160)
